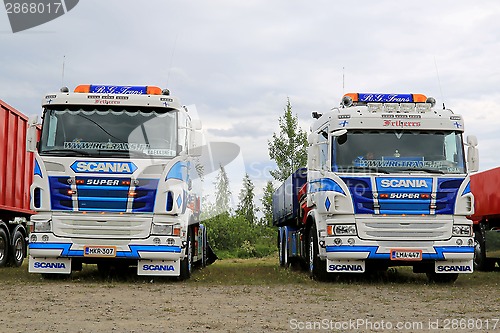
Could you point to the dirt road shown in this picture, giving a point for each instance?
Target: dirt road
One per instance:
(167, 306)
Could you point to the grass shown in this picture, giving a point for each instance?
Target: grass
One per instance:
(253, 271)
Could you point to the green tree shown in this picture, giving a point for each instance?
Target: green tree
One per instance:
(288, 148)
(222, 192)
(267, 204)
(246, 206)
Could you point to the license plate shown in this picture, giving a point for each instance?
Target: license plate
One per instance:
(99, 251)
(403, 254)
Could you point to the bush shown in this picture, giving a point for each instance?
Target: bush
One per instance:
(233, 236)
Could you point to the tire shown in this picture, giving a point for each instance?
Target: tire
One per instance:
(187, 262)
(18, 249)
(204, 255)
(317, 267)
(481, 263)
(283, 252)
(4, 247)
(442, 278)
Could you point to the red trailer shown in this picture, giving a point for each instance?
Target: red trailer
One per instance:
(16, 173)
(485, 186)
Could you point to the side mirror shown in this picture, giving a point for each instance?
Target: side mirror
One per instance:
(196, 124)
(471, 141)
(472, 154)
(313, 157)
(339, 132)
(196, 143)
(32, 134)
(313, 138)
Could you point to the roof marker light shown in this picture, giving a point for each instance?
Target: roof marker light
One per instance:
(375, 107)
(407, 107)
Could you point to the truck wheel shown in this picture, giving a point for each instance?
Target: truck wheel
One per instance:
(18, 249)
(4, 247)
(283, 253)
(481, 263)
(187, 262)
(442, 278)
(204, 255)
(317, 267)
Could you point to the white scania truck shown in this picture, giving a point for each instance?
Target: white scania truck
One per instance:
(114, 183)
(386, 184)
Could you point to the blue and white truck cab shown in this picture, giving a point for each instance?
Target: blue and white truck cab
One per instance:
(114, 183)
(386, 184)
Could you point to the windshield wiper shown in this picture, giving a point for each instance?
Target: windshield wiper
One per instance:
(423, 170)
(133, 153)
(370, 169)
(110, 151)
(66, 152)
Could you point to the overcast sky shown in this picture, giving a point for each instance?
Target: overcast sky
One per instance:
(239, 61)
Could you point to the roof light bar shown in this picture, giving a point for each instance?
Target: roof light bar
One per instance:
(364, 98)
(124, 90)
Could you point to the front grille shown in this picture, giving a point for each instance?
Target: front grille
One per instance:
(101, 226)
(424, 228)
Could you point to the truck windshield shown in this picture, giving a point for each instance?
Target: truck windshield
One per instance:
(134, 132)
(398, 151)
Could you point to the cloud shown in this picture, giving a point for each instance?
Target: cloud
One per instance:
(238, 62)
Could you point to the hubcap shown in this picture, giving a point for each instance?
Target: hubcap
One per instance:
(477, 251)
(311, 255)
(189, 256)
(280, 250)
(2, 248)
(19, 250)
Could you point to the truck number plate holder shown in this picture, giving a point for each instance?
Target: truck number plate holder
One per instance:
(406, 254)
(99, 251)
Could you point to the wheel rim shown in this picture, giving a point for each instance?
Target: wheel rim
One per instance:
(311, 254)
(18, 249)
(280, 250)
(285, 250)
(477, 251)
(2, 248)
(189, 255)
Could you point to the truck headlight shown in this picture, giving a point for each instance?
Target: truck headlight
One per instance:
(461, 230)
(341, 230)
(166, 229)
(42, 226)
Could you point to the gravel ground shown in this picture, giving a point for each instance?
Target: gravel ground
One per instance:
(72, 306)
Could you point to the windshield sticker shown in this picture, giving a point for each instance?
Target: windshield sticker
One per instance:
(119, 146)
(398, 163)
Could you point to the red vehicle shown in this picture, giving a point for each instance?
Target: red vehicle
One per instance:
(16, 173)
(485, 186)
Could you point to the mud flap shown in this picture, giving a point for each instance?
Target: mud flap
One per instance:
(211, 256)
(50, 265)
(158, 267)
(454, 266)
(345, 266)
